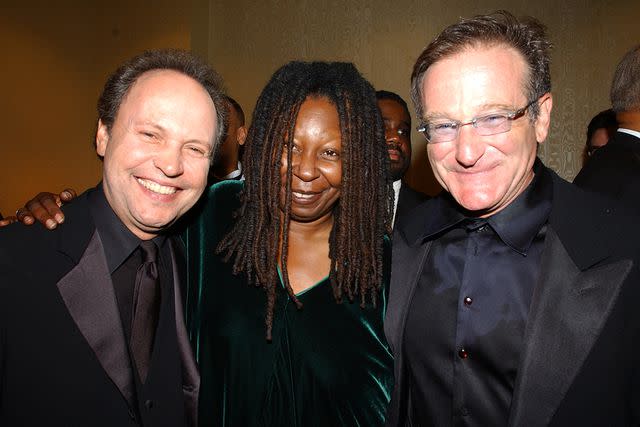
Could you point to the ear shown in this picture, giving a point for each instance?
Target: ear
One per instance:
(102, 138)
(543, 120)
(241, 135)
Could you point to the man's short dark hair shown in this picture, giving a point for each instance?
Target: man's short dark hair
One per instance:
(386, 94)
(184, 62)
(527, 36)
(625, 88)
(238, 109)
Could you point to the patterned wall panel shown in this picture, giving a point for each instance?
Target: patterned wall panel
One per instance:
(248, 40)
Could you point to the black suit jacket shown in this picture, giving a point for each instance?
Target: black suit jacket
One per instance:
(614, 170)
(408, 198)
(63, 355)
(579, 364)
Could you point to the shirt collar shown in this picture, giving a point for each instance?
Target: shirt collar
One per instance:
(516, 225)
(630, 132)
(118, 241)
(236, 174)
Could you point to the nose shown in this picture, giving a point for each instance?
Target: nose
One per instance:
(305, 166)
(391, 135)
(469, 149)
(169, 160)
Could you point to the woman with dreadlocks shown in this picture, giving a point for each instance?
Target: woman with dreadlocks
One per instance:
(289, 271)
(308, 234)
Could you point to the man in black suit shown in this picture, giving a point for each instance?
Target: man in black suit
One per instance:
(227, 165)
(397, 123)
(91, 325)
(614, 170)
(513, 294)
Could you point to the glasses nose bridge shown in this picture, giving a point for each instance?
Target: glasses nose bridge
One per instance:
(473, 122)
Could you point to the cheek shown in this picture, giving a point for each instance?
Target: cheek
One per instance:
(203, 174)
(198, 170)
(437, 155)
(406, 145)
(335, 176)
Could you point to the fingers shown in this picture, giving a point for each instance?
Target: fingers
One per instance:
(67, 195)
(24, 216)
(8, 220)
(45, 208)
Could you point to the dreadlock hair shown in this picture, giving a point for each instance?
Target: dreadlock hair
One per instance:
(361, 216)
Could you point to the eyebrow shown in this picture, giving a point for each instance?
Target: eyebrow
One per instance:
(404, 122)
(151, 124)
(163, 130)
(481, 108)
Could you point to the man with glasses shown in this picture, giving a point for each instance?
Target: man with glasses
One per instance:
(507, 305)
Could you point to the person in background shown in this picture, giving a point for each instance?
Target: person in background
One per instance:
(514, 293)
(600, 129)
(397, 123)
(614, 170)
(227, 163)
(91, 314)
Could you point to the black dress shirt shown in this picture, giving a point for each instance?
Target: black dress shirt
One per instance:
(159, 399)
(465, 325)
(123, 258)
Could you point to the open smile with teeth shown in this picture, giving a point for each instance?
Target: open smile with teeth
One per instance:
(155, 187)
(303, 196)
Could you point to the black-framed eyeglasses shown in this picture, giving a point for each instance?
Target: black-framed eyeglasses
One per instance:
(489, 124)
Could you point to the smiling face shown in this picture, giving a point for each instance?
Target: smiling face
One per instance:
(156, 154)
(316, 161)
(397, 125)
(483, 173)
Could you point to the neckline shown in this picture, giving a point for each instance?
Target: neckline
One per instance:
(304, 291)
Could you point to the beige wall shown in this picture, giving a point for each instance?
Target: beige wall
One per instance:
(248, 40)
(56, 57)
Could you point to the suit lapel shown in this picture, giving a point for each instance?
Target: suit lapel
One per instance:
(568, 310)
(190, 376)
(88, 293)
(407, 263)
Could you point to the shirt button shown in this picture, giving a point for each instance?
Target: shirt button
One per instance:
(462, 353)
(149, 404)
(468, 301)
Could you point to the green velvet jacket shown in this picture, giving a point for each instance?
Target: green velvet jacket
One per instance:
(327, 365)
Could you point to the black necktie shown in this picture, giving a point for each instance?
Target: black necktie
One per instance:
(146, 307)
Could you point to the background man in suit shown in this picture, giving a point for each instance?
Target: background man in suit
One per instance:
(512, 293)
(599, 131)
(397, 123)
(91, 323)
(227, 164)
(614, 170)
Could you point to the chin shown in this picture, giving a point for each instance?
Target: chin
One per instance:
(157, 222)
(475, 201)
